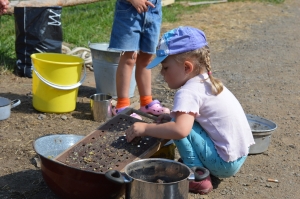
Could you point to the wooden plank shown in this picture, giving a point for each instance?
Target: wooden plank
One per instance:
(201, 2)
(62, 155)
(100, 144)
(167, 2)
(46, 3)
(151, 151)
(63, 3)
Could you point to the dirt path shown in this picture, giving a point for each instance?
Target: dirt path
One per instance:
(255, 51)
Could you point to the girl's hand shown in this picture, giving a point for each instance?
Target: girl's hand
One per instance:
(141, 5)
(3, 6)
(163, 118)
(136, 130)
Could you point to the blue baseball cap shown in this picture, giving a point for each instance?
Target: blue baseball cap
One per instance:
(178, 40)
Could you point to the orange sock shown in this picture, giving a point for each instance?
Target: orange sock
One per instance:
(144, 100)
(122, 102)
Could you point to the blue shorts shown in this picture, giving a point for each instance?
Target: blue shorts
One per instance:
(197, 149)
(132, 31)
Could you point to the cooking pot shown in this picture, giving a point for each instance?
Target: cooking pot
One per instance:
(6, 105)
(156, 178)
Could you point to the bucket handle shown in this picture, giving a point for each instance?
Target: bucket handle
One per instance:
(69, 87)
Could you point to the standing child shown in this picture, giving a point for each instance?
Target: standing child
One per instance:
(135, 32)
(209, 127)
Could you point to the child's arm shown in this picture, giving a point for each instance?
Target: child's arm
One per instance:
(170, 130)
(141, 5)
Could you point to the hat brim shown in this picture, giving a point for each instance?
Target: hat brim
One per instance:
(156, 61)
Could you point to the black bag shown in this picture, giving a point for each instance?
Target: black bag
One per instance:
(38, 29)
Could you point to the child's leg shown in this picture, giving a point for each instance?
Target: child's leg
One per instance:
(190, 158)
(187, 153)
(197, 149)
(143, 80)
(143, 75)
(124, 71)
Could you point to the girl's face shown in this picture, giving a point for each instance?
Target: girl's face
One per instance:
(174, 72)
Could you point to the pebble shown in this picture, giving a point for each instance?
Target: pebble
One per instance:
(269, 186)
(38, 162)
(64, 117)
(42, 116)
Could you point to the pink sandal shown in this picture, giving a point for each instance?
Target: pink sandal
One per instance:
(202, 187)
(155, 108)
(116, 111)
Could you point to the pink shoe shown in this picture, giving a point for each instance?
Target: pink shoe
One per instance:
(116, 111)
(202, 187)
(154, 108)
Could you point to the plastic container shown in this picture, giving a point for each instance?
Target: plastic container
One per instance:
(105, 64)
(55, 81)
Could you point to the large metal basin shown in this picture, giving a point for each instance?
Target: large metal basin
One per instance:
(68, 182)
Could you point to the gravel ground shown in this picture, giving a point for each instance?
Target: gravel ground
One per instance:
(255, 51)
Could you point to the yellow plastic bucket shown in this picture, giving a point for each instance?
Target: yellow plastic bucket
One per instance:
(55, 81)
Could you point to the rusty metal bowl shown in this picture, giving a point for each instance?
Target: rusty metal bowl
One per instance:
(68, 182)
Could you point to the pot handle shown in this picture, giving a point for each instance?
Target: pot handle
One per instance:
(15, 103)
(118, 177)
(199, 177)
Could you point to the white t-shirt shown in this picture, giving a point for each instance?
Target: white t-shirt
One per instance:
(221, 116)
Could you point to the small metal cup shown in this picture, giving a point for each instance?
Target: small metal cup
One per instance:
(101, 107)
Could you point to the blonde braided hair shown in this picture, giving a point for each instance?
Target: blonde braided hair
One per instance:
(201, 60)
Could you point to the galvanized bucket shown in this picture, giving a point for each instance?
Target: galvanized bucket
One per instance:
(105, 64)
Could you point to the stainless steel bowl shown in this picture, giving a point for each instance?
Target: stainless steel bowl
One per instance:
(262, 130)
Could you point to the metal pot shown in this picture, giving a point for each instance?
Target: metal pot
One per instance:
(6, 105)
(156, 178)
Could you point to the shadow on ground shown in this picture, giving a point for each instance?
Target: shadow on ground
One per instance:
(34, 187)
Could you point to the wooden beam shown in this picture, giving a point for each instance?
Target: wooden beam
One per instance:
(63, 3)
(201, 2)
(46, 3)
(167, 2)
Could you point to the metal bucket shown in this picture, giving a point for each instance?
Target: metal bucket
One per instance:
(262, 130)
(105, 64)
(101, 107)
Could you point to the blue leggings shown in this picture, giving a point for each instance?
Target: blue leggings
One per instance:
(197, 149)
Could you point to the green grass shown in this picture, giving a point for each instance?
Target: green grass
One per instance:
(86, 23)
